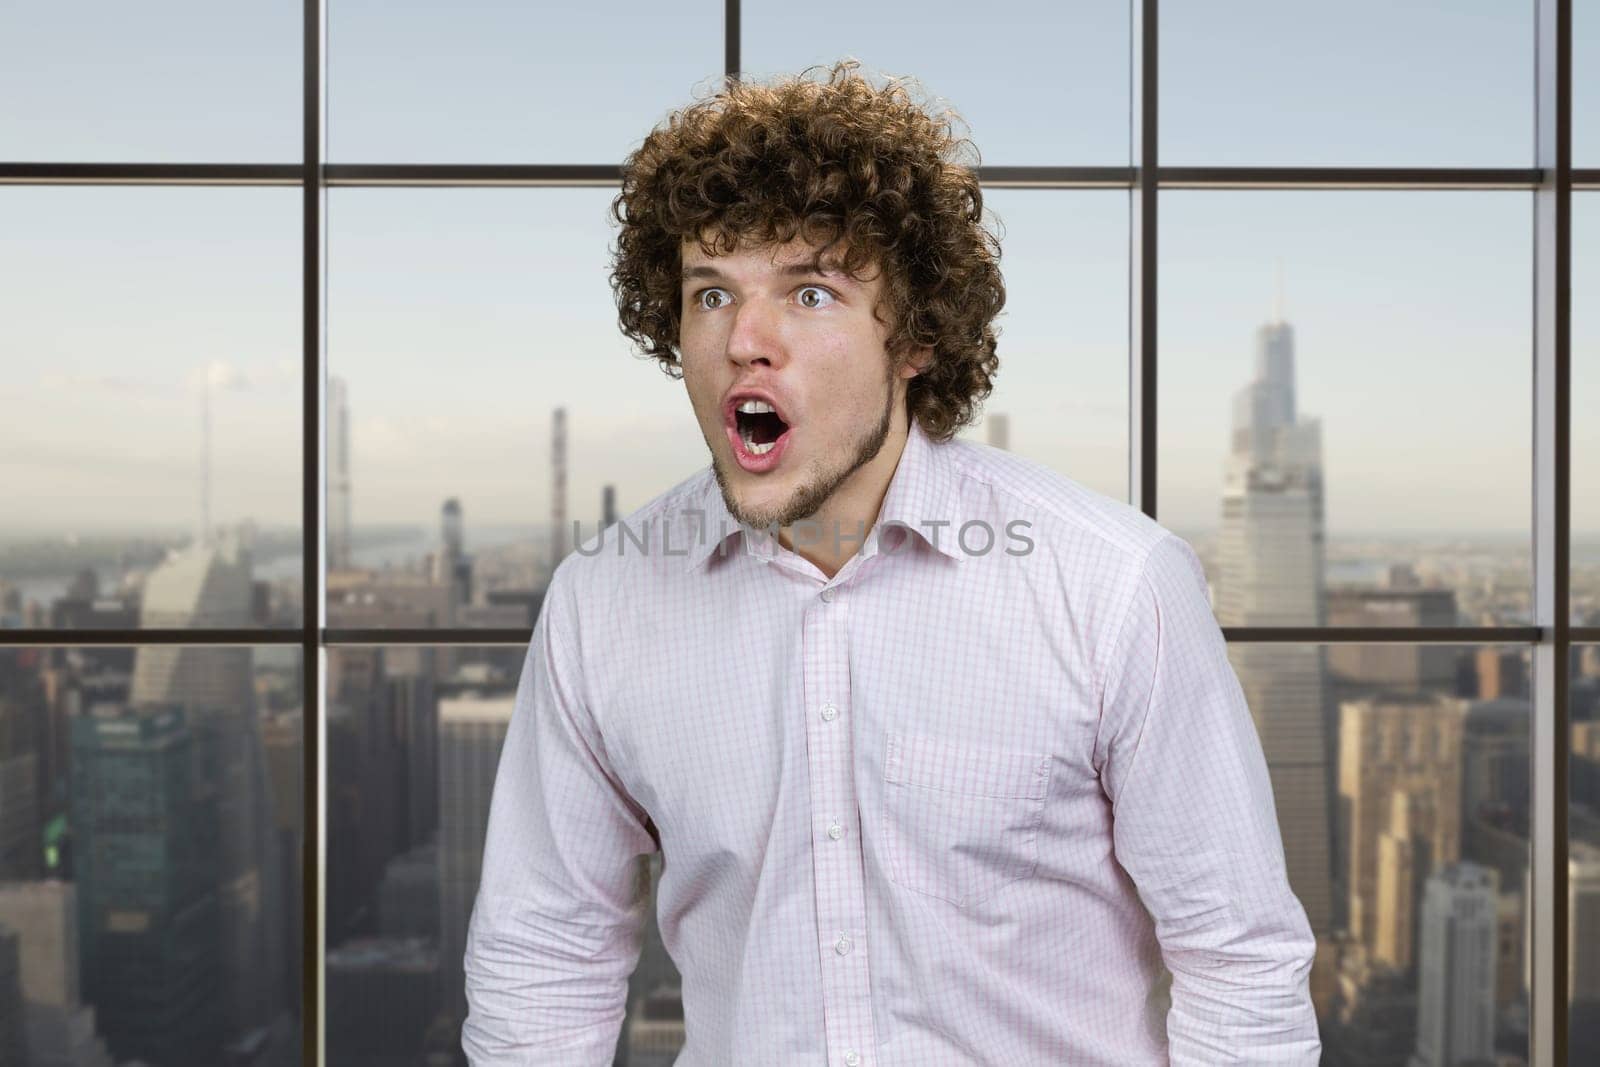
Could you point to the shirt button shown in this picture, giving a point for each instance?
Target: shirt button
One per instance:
(852, 1058)
(842, 946)
(827, 596)
(836, 831)
(829, 712)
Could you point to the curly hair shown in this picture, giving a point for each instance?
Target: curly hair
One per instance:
(837, 163)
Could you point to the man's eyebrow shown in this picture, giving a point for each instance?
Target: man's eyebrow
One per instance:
(812, 267)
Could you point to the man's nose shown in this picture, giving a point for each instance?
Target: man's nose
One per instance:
(757, 333)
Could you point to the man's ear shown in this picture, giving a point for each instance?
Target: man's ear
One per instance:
(916, 361)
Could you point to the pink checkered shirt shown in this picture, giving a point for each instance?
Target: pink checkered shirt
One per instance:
(951, 806)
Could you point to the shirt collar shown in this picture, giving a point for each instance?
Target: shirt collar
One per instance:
(923, 497)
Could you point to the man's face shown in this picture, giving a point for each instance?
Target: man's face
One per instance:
(770, 323)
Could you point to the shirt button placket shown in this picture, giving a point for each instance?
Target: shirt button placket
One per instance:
(838, 872)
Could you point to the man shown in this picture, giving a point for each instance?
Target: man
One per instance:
(950, 768)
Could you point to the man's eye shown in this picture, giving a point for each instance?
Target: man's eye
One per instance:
(815, 296)
(711, 299)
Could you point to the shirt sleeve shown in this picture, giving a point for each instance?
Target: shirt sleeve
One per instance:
(1193, 824)
(556, 928)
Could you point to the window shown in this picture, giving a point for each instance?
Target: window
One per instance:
(1365, 83)
(315, 367)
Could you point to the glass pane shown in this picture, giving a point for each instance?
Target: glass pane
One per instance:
(181, 81)
(1586, 83)
(1361, 83)
(150, 814)
(1062, 97)
(487, 82)
(1585, 491)
(414, 736)
(1348, 442)
(1061, 393)
(432, 296)
(1583, 857)
(1401, 779)
(150, 454)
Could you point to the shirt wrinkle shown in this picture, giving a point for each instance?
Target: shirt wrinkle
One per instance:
(1144, 715)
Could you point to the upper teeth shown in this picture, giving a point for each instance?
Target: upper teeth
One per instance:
(756, 407)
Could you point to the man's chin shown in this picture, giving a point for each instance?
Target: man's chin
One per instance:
(755, 515)
(760, 509)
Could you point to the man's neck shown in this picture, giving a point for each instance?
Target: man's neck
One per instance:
(840, 527)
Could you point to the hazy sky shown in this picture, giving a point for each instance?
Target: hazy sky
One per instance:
(459, 318)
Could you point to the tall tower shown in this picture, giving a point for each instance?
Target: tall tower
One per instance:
(558, 487)
(1400, 799)
(1270, 573)
(608, 506)
(146, 853)
(450, 530)
(998, 428)
(198, 587)
(23, 743)
(59, 1027)
(338, 475)
(471, 731)
(451, 566)
(203, 535)
(214, 687)
(1583, 931)
(13, 1048)
(1455, 1003)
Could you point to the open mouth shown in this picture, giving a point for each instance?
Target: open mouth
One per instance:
(758, 435)
(758, 426)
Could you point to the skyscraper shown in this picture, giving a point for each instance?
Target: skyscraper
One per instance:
(21, 849)
(205, 585)
(1455, 1004)
(210, 585)
(24, 747)
(1583, 932)
(60, 1028)
(12, 1048)
(558, 487)
(1355, 670)
(1496, 785)
(452, 567)
(471, 731)
(338, 475)
(146, 859)
(1400, 797)
(1270, 573)
(364, 801)
(997, 428)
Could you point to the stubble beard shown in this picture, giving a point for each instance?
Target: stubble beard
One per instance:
(807, 500)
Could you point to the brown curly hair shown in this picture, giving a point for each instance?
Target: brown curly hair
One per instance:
(836, 163)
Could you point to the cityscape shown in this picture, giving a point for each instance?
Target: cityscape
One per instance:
(151, 823)
(151, 814)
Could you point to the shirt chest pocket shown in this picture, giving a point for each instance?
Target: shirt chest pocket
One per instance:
(960, 821)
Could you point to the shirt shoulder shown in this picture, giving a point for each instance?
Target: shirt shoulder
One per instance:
(997, 483)
(1097, 551)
